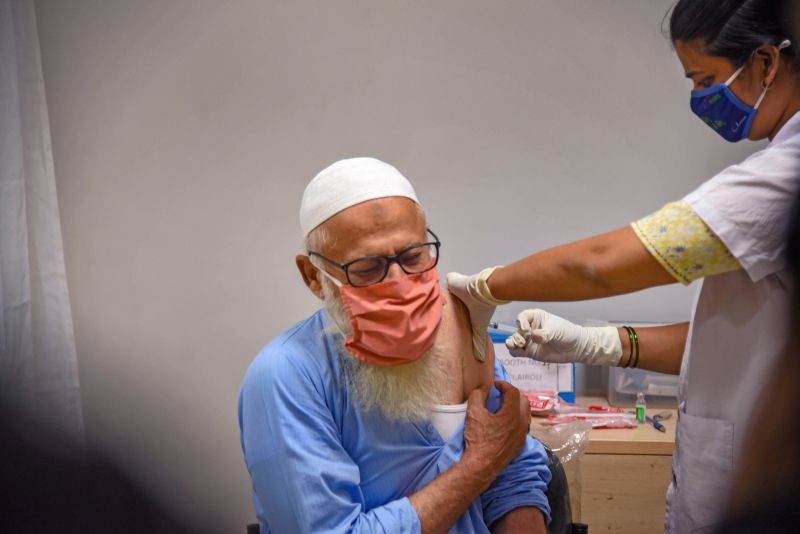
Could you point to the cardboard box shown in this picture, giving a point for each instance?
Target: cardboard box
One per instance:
(530, 375)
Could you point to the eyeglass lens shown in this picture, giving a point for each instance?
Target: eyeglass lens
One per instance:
(369, 271)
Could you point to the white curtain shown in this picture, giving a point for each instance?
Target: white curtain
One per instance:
(38, 362)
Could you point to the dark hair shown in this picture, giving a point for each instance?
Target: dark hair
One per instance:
(732, 29)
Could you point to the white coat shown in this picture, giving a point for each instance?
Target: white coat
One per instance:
(739, 328)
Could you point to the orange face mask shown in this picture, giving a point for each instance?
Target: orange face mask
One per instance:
(394, 321)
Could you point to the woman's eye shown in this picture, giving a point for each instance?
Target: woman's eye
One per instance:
(705, 83)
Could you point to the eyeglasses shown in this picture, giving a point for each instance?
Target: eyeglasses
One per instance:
(370, 270)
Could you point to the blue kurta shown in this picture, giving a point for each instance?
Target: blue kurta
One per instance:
(319, 463)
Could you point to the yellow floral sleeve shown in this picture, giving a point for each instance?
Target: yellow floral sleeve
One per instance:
(683, 244)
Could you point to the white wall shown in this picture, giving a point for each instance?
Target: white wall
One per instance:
(185, 131)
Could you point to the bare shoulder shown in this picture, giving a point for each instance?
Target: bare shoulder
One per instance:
(455, 339)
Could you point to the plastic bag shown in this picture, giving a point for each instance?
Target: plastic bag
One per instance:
(568, 441)
(565, 444)
(597, 420)
(543, 402)
(548, 404)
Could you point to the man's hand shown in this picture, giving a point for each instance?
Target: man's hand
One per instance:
(474, 292)
(493, 440)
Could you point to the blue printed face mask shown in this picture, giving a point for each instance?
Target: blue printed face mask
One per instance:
(723, 111)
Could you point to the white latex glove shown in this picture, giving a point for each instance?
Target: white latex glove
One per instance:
(474, 292)
(549, 338)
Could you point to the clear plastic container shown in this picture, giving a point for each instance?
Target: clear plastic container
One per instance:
(622, 385)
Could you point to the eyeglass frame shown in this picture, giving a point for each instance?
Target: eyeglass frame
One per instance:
(389, 260)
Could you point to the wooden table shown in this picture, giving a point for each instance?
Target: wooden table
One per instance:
(619, 485)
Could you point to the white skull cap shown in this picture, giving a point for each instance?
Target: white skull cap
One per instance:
(349, 182)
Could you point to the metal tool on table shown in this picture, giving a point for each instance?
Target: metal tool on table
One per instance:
(657, 418)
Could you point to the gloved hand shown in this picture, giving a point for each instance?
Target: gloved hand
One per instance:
(474, 292)
(549, 338)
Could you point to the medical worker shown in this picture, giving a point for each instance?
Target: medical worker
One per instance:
(742, 59)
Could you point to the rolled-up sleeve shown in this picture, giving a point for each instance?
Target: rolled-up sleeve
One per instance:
(523, 482)
(303, 479)
(683, 244)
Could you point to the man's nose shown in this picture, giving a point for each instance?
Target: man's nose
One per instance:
(395, 271)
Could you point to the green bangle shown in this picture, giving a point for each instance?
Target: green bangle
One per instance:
(630, 355)
(634, 341)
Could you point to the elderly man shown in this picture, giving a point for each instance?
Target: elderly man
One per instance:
(355, 420)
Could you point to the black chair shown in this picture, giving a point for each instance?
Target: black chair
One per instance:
(558, 497)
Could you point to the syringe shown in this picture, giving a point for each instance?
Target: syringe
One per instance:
(502, 327)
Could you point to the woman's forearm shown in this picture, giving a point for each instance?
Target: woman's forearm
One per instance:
(602, 266)
(660, 347)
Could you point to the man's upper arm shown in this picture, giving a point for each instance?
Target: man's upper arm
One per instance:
(303, 479)
(526, 519)
(522, 483)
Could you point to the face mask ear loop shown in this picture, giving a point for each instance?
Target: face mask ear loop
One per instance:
(735, 74)
(332, 278)
(761, 98)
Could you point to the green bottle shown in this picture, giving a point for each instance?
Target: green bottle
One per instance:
(640, 407)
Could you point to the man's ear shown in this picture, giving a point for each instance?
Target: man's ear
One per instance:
(309, 273)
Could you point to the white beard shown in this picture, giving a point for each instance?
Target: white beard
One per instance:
(402, 392)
